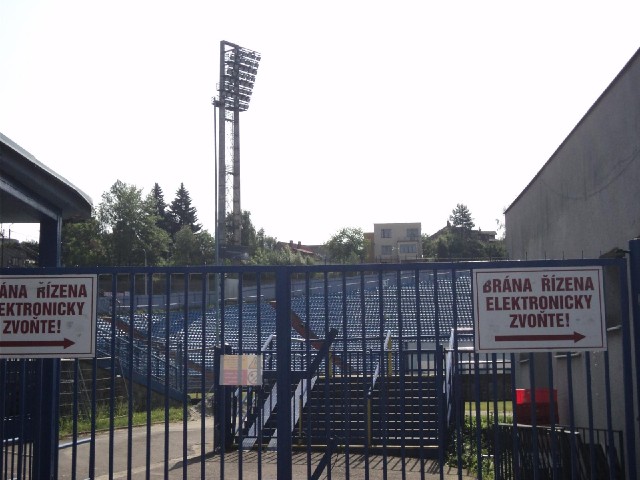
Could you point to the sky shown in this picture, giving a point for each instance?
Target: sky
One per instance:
(362, 112)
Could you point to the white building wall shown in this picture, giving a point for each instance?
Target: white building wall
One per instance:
(394, 242)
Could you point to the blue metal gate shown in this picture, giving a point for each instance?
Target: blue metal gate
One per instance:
(365, 371)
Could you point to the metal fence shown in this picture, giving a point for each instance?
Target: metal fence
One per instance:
(365, 371)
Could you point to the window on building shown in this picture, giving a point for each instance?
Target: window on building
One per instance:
(386, 250)
(413, 233)
(408, 248)
(386, 233)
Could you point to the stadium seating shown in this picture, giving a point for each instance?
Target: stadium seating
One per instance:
(428, 306)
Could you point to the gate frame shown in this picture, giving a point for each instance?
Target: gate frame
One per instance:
(45, 455)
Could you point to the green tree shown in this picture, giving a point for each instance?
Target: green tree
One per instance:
(461, 217)
(428, 247)
(265, 241)
(248, 234)
(31, 249)
(132, 235)
(280, 256)
(442, 248)
(191, 248)
(182, 213)
(83, 244)
(268, 252)
(348, 245)
(454, 246)
(160, 208)
(496, 250)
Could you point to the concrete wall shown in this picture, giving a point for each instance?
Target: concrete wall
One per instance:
(584, 203)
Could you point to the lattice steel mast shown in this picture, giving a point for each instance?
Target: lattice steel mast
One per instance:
(238, 70)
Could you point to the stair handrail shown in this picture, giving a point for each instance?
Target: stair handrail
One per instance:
(302, 392)
(388, 348)
(451, 369)
(374, 378)
(267, 349)
(448, 374)
(122, 346)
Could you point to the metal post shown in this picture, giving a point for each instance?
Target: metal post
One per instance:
(634, 274)
(222, 181)
(283, 354)
(45, 454)
(237, 212)
(222, 425)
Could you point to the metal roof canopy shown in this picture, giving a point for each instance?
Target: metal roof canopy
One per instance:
(30, 192)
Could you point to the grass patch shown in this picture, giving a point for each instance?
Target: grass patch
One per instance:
(504, 411)
(120, 419)
(469, 445)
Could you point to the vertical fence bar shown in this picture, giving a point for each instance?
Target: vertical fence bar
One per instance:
(454, 387)
(3, 415)
(328, 368)
(634, 275)
(477, 416)
(575, 471)
(94, 414)
(630, 423)
(148, 279)
(239, 390)
(185, 375)
(112, 364)
(592, 456)
(497, 449)
(203, 366)
(400, 375)
(611, 451)
(384, 419)
(345, 371)
(553, 419)
(130, 360)
(260, 395)
(167, 369)
(23, 420)
(534, 418)
(366, 381)
(421, 383)
(516, 458)
(307, 342)
(283, 352)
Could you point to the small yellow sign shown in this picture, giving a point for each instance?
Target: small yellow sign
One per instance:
(241, 370)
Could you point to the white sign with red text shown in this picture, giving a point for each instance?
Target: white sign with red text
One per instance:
(539, 309)
(48, 316)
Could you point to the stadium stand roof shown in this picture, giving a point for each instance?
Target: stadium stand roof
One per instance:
(30, 192)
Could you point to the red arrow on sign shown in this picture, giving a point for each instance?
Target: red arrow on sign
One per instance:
(37, 343)
(575, 336)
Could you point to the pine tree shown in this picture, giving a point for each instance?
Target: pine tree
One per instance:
(461, 217)
(160, 209)
(183, 213)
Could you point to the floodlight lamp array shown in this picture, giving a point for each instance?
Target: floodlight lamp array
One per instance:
(240, 70)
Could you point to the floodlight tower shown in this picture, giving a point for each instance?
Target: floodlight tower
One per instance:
(238, 70)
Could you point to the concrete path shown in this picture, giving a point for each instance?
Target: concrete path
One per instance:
(194, 464)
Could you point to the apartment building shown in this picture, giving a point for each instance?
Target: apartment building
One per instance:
(397, 242)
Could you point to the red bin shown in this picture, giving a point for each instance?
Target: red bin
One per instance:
(524, 413)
